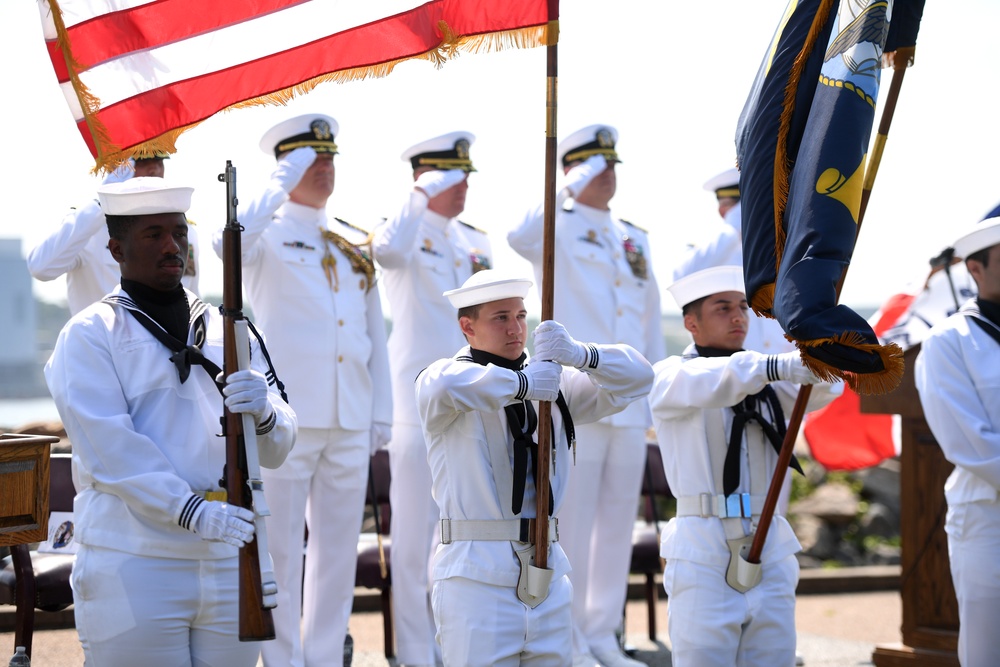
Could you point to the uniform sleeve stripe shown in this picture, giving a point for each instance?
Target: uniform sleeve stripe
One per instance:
(268, 425)
(522, 386)
(594, 356)
(190, 507)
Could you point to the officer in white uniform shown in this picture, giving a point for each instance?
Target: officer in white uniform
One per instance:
(719, 414)
(155, 582)
(479, 419)
(605, 291)
(958, 377)
(310, 281)
(78, 247)
(424, 250)
(722, 245)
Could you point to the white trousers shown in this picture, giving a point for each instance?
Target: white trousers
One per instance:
(157, 612)
(481, 625)
(595, 528)
(413, 528)
(973, 543)
(323, 482)
(713, 625)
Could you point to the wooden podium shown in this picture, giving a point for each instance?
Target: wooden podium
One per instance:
(930, 610)
(24, 517)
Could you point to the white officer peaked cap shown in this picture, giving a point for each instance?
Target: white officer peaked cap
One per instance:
(312, 129)
(448, 151)
(726, 184)
(706, 282)
(983, 234)
(591, 140)
(488, 285)
(144, 195)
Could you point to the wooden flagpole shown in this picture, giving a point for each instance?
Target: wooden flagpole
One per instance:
(902, 57)
(542, 486)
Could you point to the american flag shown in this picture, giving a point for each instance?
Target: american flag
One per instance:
(138, 73)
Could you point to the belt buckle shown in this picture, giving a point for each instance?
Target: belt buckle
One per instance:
(445, 531)
(736, 505)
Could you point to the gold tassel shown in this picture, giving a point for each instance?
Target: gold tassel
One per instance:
(863, 383)
(762, 301)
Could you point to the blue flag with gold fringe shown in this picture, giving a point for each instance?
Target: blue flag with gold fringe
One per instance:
(802, 141)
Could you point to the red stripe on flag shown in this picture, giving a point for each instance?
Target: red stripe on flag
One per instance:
(413, 33)
(58, 59)
(148, 26)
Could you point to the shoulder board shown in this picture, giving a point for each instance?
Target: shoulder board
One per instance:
(352, 226)
(475, 229)
(633, 225)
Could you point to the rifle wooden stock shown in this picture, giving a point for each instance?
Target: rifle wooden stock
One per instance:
(256, 622)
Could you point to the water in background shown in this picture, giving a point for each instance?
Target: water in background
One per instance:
(14, 412)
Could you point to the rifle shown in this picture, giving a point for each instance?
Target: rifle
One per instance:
(241, 477)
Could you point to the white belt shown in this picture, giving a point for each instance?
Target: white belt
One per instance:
(500, 530)
(737, 505)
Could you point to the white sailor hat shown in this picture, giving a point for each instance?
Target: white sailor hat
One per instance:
(314, 129)
(726, 184)
(706, 282)
(591, 140)
(982, 235)
(144, 195)
(488, 285)
(449, 151)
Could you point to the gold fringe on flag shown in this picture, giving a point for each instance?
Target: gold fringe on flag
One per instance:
(762, 301)
(863, 383)
(110, 157)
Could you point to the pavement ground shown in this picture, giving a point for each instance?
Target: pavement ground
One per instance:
(839, 621)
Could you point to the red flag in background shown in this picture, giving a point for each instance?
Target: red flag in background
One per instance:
(839, 436)
(138, 73)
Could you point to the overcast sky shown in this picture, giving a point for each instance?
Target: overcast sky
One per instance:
(671, 76)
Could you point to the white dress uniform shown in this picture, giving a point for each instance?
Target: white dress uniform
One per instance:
(480, 619)
(326, 336)
(605, 291)
(725, 248)
(712, 624)
(958, 377)
(147, 590)
(422, 255)
(78, 248)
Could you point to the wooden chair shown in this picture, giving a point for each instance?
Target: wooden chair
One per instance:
(646, 535)
(42, 577)
(369, 572)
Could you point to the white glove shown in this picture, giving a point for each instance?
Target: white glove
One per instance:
(381, 434)
(433, 183)
(246, 391)
(580, 176)
(90, 217)
(217, 521)
(292, 167)
(541, 381)
(553, 343)
(123, 172)
(789, 366)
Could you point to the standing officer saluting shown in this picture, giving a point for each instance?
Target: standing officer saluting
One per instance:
(605, 291)
(311, 282)
(155, 582)
(424, 250)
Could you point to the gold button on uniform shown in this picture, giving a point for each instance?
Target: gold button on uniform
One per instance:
(340, 323)
(340, 358)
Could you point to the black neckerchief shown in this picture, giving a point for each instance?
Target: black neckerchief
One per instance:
(168, 309)
(989, 309)
(747, 410)
(522, 420)
(167, 316)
